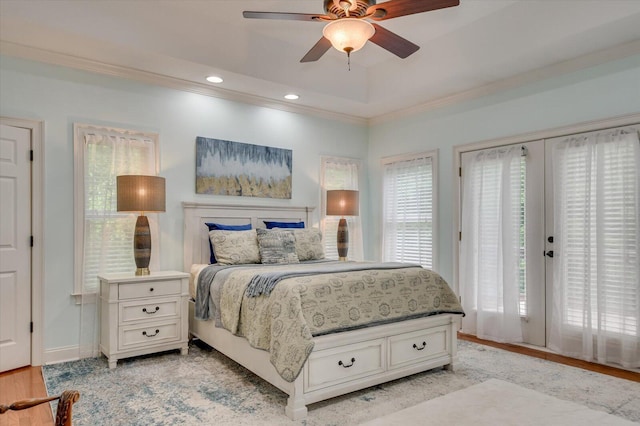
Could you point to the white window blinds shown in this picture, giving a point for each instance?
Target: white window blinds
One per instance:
(340, 173)
(408, 210)
(596, 277)
(107, 236)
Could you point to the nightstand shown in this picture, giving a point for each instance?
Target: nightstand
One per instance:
(143, 314)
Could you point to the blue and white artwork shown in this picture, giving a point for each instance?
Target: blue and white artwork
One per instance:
(242, 169)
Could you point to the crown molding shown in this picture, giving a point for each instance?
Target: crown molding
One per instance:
(83, 64)
(560, 68)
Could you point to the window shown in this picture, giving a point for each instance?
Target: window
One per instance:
(104, 237)
(408, 209)
(340, 173)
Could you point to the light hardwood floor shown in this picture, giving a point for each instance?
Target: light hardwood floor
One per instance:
(28, 382)
(550, 356)
(24, 383)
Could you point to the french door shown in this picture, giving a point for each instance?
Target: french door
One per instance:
(530, 229)
(593, 206)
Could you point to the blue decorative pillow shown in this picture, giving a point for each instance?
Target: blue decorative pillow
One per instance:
(271, 225)
(221, 227)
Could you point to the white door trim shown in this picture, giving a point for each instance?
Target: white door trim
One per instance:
(37, 229)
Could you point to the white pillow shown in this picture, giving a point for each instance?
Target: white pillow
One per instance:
(235, 247)
(309, 244)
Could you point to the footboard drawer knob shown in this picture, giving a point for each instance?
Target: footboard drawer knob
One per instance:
(419, 348)
(353, 360)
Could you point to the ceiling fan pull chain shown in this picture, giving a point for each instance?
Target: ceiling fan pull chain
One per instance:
(348, 50)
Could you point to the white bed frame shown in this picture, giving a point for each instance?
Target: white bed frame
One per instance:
(339, 363)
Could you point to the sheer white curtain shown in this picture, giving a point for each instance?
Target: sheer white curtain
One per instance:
(107, 235)
(408, 193)
(489, 249)
(339, 173)
(596, 267)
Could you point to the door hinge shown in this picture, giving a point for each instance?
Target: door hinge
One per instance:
(31, 155)
(31, 326)
(460, 236)
(31, 240)
(460, 171)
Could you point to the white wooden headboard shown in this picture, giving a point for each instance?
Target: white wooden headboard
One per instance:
(196, 233)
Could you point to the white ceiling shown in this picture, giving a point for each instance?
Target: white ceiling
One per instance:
(474, 46)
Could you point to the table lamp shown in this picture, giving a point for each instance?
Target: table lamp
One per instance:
(144, 194)
(343, 202)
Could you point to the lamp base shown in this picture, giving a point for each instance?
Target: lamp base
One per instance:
(343, 239)
(142, 245)
(143, 271)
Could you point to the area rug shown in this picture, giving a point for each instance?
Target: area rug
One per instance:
(496, 402)
(206, 388)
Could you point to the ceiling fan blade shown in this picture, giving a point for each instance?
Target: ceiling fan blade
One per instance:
(285, 16)
(393, 42)
(395, 8)
(316, 52)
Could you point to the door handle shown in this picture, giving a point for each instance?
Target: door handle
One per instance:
(549, 253)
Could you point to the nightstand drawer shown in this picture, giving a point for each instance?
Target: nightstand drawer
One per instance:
(338, 365)
(417, 346)
(148, 289)
(148, 334)
(150, 309)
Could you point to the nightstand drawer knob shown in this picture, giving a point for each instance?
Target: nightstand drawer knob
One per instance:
(151, 312)
(144, 333)
(151, 289)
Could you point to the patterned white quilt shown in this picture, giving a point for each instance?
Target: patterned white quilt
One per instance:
(304, 306)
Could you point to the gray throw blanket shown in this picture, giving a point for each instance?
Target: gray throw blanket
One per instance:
(264, 283)
(203, 301)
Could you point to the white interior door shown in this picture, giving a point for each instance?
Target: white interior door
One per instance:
(15, 247)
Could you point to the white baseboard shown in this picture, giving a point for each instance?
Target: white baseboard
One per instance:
(63, 354)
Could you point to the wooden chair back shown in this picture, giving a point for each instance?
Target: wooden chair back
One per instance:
(63, 411)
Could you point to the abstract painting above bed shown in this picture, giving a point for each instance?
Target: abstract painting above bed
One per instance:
(316, 298)
(242, 169)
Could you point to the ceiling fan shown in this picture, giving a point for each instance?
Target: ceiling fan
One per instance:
(347, 27)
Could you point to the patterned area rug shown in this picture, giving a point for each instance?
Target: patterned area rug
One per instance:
(205, 387)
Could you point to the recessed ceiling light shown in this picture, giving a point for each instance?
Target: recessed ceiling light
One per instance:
(291, 96)
(214, 79)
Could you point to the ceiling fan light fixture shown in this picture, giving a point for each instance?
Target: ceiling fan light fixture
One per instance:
(348, 34)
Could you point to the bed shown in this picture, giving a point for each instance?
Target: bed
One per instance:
(336, 363)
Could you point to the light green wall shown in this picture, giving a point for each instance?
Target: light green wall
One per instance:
(61, 96)
(600, 92)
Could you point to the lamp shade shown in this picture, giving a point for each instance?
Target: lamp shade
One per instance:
(343, 202)
(138, 193)
(348, 34)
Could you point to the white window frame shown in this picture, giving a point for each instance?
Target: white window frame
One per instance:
(79, 132)
(433, 155)
(355, 230)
